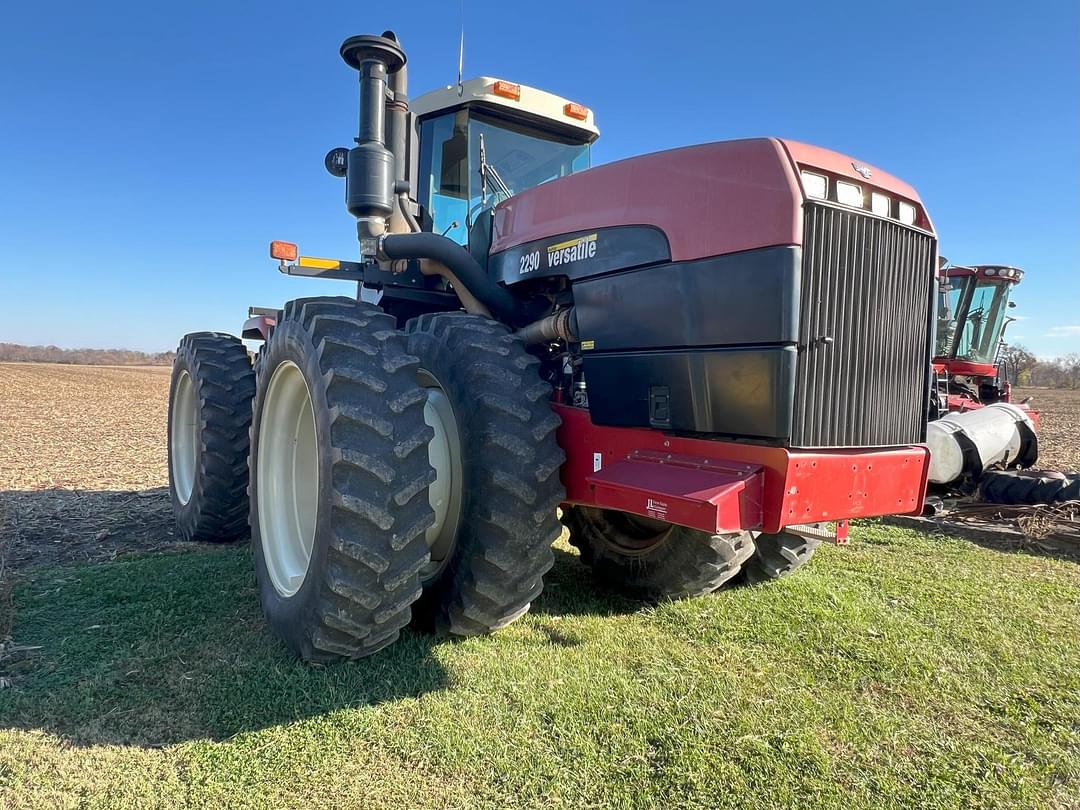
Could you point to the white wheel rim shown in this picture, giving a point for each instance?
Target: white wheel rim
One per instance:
(183, 444)
(287, 478)
(444, 454)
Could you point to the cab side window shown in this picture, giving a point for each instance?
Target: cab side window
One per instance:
(444, 173)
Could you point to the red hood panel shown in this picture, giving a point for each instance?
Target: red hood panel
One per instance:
(709, 200)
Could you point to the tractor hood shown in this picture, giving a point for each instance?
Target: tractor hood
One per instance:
(707, 200)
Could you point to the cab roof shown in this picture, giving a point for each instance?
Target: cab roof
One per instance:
(531, 104)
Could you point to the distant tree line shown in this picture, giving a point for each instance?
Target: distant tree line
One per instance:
(13, 352)
(1026, 369)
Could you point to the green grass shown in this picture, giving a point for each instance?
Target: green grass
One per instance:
(904, 670)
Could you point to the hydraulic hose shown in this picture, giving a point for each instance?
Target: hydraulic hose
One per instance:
(465, 268)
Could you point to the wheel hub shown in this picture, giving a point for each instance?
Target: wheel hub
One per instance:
(444, 454)
(287, 478)
(636, 535)
(183, 441)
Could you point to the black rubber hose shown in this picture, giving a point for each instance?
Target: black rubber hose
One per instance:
(497, 299)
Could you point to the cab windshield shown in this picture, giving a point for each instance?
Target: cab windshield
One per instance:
(970, 319)
(470, 162)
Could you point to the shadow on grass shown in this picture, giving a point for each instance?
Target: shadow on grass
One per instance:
(58, 526)
(160, 649)
(998, 536)
(163, 648)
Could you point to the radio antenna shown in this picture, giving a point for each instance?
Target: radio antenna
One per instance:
(461, 53)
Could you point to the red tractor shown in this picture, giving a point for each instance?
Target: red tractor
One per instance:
(974, 425)
(972, 317)
(700, 356)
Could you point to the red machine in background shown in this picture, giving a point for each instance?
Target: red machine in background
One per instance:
(973, 423)
(972, 318)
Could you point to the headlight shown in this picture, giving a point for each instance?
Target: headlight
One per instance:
(907, 213)
(880, 204)
(849, 194)
(816, 185)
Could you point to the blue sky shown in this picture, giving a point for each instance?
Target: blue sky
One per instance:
(148, 153)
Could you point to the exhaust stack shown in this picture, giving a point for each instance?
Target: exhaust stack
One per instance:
(372, 168)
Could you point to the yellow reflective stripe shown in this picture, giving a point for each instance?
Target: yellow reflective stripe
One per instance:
(321, 264)
(590, 238)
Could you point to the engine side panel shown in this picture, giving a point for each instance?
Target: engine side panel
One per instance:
(740, 391)
(739, 299)
(706, 346)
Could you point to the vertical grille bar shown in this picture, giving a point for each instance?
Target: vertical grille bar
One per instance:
(864, 331)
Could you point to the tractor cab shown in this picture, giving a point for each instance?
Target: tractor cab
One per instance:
(485, 140)
(972, 313)
(972, 316)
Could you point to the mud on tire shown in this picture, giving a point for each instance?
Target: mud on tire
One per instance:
(367, 535)
(209, 416)
(647, 559)
(500, 548)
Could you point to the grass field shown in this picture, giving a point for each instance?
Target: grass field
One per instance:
(905, 670)
(1059, 426)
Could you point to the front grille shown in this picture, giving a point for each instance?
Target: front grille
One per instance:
(864, 331)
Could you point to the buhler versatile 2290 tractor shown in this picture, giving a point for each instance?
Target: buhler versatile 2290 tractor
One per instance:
(695, 354)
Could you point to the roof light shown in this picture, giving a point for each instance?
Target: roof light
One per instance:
(907, 213)
(880, 204)
(507, 90)
(849, 194)
(816, 185)
(577, 111)
(285, 251)
(991, 271)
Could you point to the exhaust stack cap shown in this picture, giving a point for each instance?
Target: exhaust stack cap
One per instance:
(367, 47)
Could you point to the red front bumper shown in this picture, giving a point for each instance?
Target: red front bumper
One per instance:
(726, 486)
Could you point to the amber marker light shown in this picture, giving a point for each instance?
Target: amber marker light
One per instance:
(285, 251)
(507, 90)
(577, 111)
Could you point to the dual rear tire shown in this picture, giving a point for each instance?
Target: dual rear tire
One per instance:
(492, 549)
(210, 397)
(354, 533)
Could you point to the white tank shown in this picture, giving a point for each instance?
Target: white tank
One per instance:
(968, 443)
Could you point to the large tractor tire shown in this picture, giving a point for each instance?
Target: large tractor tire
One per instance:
(778, 555)
(339, 479)
(652, 560)
(498, 485)
(209, 417)
(1018, 487)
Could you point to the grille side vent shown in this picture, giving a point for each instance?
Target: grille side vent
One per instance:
(864, 331)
